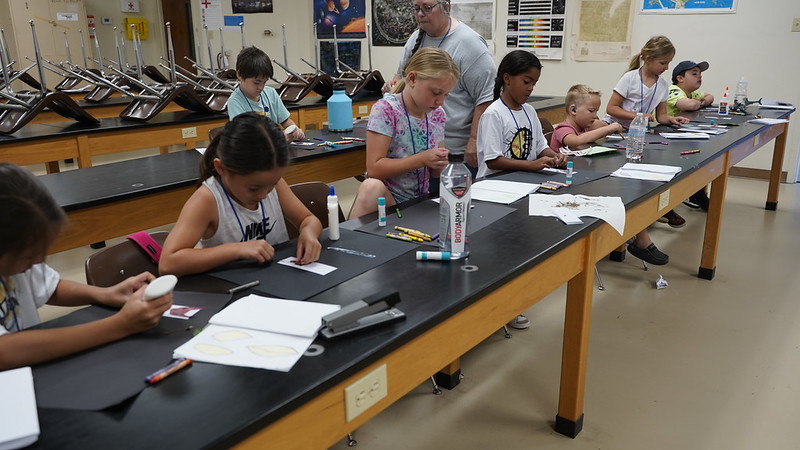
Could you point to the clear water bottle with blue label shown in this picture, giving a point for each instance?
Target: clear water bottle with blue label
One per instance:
(635, 144)
(340, 110)
(454, 203)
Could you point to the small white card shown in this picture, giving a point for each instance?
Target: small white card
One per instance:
(315, 267)
(181, 312)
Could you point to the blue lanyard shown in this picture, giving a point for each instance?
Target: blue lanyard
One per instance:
(260, 103)
(641, 94)
(11, 305)
(447, 33)
(235, 214)
(530, 124)
(413, 144)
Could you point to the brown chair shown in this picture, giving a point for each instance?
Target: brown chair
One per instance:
(314, 195)
(113, 264)
(547, 129)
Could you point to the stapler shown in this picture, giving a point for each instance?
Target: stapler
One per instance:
(369, 312)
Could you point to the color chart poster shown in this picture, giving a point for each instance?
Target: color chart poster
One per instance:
(537, 26)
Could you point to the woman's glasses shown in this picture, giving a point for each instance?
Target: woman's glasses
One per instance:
(425, 9)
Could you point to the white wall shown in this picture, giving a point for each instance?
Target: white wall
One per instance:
(755, 42)
(152, 48)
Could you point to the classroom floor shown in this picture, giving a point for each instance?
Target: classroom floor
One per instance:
(701, 364)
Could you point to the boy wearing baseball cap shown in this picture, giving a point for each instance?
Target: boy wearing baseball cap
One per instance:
(684, 94)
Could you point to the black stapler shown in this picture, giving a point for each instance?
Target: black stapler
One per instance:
(371, 311)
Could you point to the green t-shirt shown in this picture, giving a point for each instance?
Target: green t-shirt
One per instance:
(675, 94)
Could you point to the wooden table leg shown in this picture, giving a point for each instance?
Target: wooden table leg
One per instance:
(708, 258)
(575, 353)
(775, 172)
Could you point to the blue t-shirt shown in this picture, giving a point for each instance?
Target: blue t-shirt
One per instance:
(269, 104)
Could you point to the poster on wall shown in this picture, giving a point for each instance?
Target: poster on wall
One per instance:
(251, 6)
(349, 53)
(211, 12)
(478, 14)
(392, 22)
(537, 26)
(688, 6)
(347, 15)
(602, 31)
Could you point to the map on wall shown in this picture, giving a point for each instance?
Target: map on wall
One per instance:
(393, 22)
(688, 6)
(537, 26)
(478, 14)
(602, 30)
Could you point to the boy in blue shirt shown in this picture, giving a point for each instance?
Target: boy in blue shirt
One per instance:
(253, 70)
(685, 95)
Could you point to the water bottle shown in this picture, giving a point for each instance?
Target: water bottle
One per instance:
(340, 110)
(741, 92)
(333, 215)
(636, 132)
(454, 184)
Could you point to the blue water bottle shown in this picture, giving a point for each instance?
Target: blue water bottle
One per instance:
(340, 110)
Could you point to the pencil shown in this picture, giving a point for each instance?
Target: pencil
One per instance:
(690, 152)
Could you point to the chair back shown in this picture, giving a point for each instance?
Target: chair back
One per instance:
(111, 265)
(547, 129)
(314, 195)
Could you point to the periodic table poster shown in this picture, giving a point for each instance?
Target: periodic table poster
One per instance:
(537, 26)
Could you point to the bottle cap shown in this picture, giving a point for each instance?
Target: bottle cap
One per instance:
(381, 201)
(331, 191)
(455, 157)
(338, 86)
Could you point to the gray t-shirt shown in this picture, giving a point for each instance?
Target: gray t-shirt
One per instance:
(470, 53)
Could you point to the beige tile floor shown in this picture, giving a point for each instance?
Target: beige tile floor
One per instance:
(698, 365)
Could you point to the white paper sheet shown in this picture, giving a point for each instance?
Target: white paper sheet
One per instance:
(768, 121)
(609, 209)
(315, 267)
(19, 422)
(245, 348)
(273, 314)
(694, 136)
(499, 191)
(647, 172)
(775, 104)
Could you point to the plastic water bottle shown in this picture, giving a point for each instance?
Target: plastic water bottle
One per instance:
(636, 133)
(333, 215)
(454, 203)
(741, 92)
(723, 103)
(340, 110)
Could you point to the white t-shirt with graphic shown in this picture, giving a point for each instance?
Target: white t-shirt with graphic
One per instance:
(30, 290)
(510, 134)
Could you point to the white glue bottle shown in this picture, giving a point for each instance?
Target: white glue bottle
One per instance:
(333, 215)
(381, 211)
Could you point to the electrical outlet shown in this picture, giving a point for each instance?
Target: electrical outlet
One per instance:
(796, 24)
(367, 391)
(190, 132)
(663, 200)
(755, 141)
(363, 110)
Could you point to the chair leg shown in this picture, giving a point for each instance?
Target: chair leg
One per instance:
(436, 389)
(351, 441)
(507, 333)
(600, 284)
(644, 265)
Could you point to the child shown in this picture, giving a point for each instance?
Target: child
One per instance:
(405, 133)
(238, 211)
(509, 133)
(684, 95)
(30, 223)
(254, 69)
(581, 127)
(642, 89)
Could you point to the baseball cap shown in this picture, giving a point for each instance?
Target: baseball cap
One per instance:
(683, 66)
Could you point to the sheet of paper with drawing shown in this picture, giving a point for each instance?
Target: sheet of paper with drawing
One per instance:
(647, 172)
(593, 150)
(580, 176)
(609, 209)
(501, 191)
(259, 332)
(355, 254)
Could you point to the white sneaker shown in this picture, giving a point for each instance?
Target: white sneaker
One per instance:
(520, 322)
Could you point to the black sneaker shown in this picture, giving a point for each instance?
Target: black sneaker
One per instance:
(650, 254)
(700, 199)
(673, 219)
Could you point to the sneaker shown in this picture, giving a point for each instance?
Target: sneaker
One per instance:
(520, 322)
(650, 254)
(701, 199)
(673, 219)
(688, 202)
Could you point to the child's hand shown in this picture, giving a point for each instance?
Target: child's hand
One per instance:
(119, 294)
(308, 248)
(616, 127)
(540, 163)
(650, 118)
(298, 135)
(678, 120)
(435, 158)
(560, 160)
(258, 249)
(139, 315)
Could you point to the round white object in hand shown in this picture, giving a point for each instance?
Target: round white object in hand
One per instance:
(160, 287)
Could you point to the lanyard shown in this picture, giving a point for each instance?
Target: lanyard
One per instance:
(641, 94)
(260, 103)
(447, 33)
(530, 124)
(413, 144)
(235, 214)
(10, 307)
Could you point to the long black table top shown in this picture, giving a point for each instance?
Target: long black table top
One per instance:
(217, 406)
